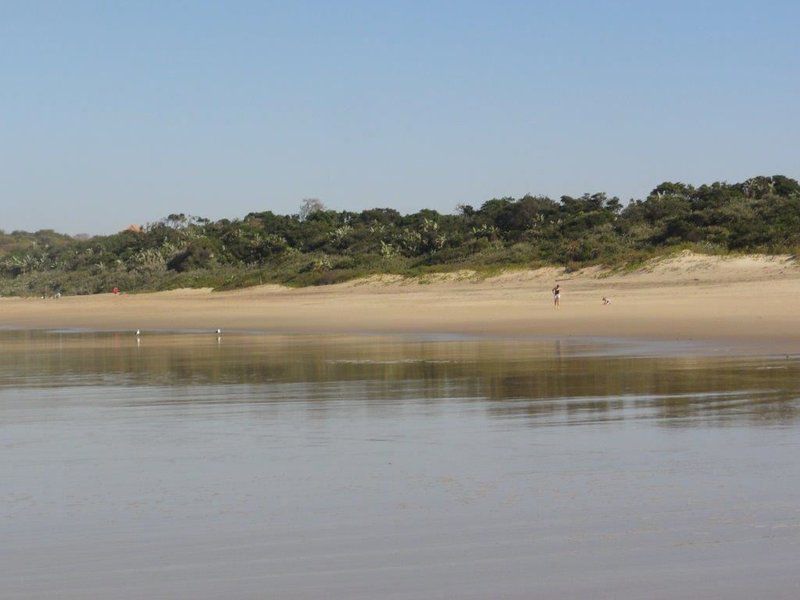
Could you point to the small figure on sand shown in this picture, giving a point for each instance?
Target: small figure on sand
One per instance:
(557, 296)
(606, 301)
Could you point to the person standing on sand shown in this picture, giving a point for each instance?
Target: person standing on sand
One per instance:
(557, 296)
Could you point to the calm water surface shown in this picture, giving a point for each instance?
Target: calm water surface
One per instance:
(250, 466)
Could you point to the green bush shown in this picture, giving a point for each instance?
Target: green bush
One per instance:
(761, 214)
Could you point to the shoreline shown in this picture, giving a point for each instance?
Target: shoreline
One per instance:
(644, 346)
(736, 302)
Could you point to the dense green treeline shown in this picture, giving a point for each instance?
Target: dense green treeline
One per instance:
(320, 246)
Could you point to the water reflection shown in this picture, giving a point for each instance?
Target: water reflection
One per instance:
(186, 466)
(540, 383)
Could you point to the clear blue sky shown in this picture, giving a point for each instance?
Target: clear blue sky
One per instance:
(120, 112)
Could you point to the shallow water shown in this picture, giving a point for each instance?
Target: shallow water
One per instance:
(251, 466)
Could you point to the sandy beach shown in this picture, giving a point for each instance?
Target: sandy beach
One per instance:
(402, 467)
(748, 299)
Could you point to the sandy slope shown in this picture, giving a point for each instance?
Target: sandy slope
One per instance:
(688, 297)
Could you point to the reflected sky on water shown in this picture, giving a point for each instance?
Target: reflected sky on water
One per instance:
(251, 466)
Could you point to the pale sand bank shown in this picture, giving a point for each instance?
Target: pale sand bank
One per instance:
(688, 297)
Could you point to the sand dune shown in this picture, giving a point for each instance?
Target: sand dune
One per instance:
(686, 297)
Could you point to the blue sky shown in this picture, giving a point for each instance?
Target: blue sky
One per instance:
(120, 112)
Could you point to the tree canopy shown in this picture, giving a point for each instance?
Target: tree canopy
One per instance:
(319, 246)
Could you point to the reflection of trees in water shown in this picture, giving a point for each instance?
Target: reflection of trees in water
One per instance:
(756, 408)
(671, 391)
(543, 382)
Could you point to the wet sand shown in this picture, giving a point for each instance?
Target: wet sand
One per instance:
(256, 466)
(747, 299)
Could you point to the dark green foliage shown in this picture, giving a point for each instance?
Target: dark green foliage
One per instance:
(321, 246)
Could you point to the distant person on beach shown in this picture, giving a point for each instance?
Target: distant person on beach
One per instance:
(557, 296)
(606, 301)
